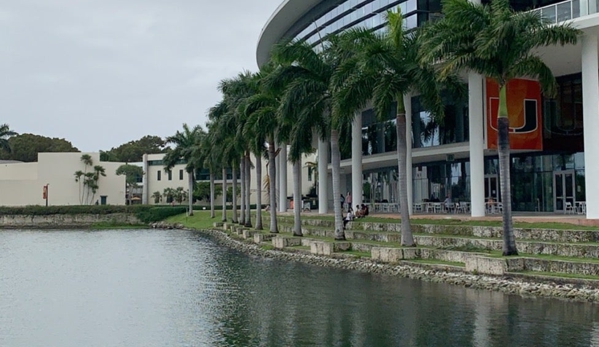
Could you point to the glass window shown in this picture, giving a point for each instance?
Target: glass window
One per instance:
(180, 175)
(170, 175)
(158, 175)
(411, 6)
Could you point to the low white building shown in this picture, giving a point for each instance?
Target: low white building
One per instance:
(157, 179)
(23, 184)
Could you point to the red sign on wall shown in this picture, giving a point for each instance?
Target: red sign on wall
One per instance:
(524, 112)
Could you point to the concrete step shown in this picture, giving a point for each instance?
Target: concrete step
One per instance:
(545, 235)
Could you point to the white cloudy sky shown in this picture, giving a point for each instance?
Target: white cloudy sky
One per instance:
(103, 72)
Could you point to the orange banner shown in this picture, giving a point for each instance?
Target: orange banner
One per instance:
(524, 111)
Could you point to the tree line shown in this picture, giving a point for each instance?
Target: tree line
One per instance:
(308, 92)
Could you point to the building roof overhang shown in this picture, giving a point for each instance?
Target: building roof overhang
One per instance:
(279, 23)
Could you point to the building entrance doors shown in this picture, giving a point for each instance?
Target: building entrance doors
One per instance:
(564, 199)
(492, 188)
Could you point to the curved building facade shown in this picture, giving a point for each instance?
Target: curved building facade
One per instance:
(554, 156)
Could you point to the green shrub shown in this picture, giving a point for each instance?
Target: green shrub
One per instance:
(156, 214)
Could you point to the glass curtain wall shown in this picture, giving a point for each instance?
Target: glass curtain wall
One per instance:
(542, 182)
(430, 132)
(435, 181)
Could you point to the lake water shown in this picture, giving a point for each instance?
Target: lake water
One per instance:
(179, 288)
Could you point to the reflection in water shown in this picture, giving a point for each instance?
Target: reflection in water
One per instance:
(176, 288)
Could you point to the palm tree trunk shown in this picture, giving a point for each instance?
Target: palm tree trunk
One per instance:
(243, 207)
(234, 191)
(503, 150)
(248, 217)
(336, 163)
(272, 174)
(190, 192)
(407, 239)
(212, 193)
(224, 194)
(297, 198)
(259, 192)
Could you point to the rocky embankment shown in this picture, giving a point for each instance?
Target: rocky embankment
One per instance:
(578, 290)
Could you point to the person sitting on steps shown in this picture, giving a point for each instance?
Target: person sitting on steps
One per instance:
(359, 212)
(348, 218)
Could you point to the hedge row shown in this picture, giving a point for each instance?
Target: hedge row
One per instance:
(145, 213)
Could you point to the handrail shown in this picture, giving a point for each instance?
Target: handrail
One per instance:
(563, 11)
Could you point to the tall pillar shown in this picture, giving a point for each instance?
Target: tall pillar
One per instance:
(323, 186)
(407, 99)
(477, 144)
(277, 177)
(145, 196)
(356, 160)
(283, 178)
(590, 112)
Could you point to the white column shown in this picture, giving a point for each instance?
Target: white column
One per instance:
(283, 178)
(590, 111)
(356, 160)
(145, 196)
(323, 184)
(477, 144)
(277, 176)
(407, 100)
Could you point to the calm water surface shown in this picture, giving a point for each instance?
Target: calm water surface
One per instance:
(176, 288)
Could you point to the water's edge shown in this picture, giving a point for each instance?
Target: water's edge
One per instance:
(543, 287)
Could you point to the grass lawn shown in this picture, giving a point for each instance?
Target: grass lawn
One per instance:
(199, 220)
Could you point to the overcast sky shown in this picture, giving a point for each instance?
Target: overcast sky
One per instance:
(100, 73)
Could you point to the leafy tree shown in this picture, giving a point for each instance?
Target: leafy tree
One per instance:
(500, 44)
(202, 191)
(132, 175)
(5, 135)
(133, 151)
(25, 147)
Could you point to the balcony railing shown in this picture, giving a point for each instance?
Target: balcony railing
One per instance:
(567, 10)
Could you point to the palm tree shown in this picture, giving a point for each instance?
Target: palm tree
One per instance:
(207, 156)
(5, 134)
(385, 69)
(157, 196)
(305, 110)
(498, 43)
(263, 118)
(231, 119)
(185, 141)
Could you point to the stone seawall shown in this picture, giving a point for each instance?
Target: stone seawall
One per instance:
(65, 220)
(575, 289)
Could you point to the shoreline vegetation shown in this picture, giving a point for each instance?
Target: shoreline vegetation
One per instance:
(362, 254)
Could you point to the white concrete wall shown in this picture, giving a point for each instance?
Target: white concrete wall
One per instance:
(151, 178)
(22, 183)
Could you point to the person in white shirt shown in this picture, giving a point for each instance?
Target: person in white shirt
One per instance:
(349, 217)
